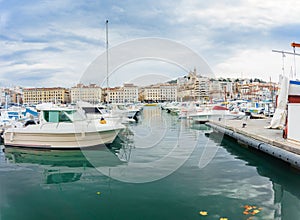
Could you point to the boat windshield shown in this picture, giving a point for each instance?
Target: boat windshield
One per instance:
(74, 115)
(121, 107)
(91, 110)
(57, 116)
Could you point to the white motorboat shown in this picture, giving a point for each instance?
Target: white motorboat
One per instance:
(14, 115)
(63, 128)
(101, 111)
(217, 112)
(130, 111)
(172, 108)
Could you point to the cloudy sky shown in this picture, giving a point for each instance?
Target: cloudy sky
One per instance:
(52, 43)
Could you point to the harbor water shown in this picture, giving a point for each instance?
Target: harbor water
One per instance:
(158, 168)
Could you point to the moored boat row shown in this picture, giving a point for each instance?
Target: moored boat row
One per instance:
(80, 126)
(236, 109)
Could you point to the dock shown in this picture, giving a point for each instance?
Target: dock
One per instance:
(255, 134)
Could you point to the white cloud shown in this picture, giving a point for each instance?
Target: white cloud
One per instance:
(261, 64)
(228, 34)
(249, 14)
(66, 65)
(145, 72)
(117, 9)
(40, 7)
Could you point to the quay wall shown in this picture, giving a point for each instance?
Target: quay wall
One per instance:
(282, 154)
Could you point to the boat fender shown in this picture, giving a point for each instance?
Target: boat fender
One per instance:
(102, 121)
(12, 136)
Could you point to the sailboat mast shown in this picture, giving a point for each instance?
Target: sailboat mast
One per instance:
(106, 54)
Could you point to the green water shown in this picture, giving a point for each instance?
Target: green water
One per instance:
(122, 182)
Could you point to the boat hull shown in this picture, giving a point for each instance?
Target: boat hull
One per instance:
(59, 140)
(214, 116)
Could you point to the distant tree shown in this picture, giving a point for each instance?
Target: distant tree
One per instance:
(141, 97)
(172, 81)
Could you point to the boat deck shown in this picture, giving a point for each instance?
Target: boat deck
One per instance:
(255, 129)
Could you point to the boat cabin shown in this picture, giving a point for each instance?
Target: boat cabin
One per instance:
(95, 110)
(59, 115)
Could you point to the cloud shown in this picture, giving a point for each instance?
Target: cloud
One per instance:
(117, 9)
(145, 72)
(260, 63)
(64, 37)
(253, 14)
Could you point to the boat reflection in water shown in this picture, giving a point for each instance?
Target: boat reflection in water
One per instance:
(201, 127)
(62, 166)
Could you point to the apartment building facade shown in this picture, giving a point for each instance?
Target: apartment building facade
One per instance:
(128, 93)
(160, 93)
(89, 93)
(189, 87)
(131, 93)
(42, 95)
(11, 95)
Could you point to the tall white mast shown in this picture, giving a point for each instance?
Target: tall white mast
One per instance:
(106, 54)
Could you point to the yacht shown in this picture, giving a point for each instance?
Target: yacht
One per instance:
(63, 128)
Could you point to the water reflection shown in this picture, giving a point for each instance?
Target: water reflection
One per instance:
(64, 166)
(284, 178)
(234, 177)
(201, 127)
(158, 146)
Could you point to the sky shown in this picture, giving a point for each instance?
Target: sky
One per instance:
(53, 43)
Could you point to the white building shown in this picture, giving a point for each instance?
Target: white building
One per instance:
(128, 93)
(204, 84)
(152, 93)
(160, 93)
(168, 92)
(5, 96)
(11, 95)
(115, 95)
(91, 93)
(131, 93)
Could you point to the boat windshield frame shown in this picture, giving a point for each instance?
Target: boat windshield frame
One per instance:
(75, 116)
(59, 115)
